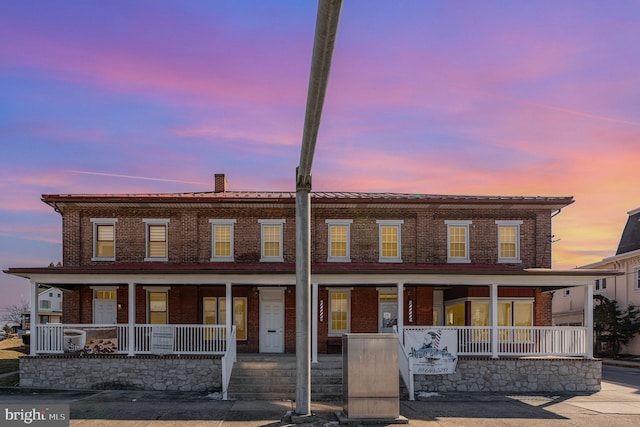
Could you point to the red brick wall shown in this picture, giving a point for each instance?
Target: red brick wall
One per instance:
(364, 310)
(290, 320)
(424, 233)
(71, 307)
(424, 240)
(542, 307)
(422, 299)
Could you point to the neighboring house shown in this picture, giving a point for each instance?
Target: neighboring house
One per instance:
(49, 305)
(219, 269)
(568, 304)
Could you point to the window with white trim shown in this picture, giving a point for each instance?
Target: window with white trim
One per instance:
(458, 241)
(339, 240)
(509, 241)
(601, 284)
(271, 240)
(390, 240)
(214, 312)
(156, 231)
(636, 280)
(104, 239)
(511, 312)
(338, 312)
(222, 239)
(157, 307)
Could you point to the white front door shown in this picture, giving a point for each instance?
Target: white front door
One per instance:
(271, 320)
(104, 311)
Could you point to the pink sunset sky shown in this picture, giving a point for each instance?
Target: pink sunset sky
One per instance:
(440, 97)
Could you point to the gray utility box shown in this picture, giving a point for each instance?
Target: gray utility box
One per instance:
(370, 384)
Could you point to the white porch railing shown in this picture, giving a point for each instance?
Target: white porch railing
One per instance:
(518, 340)
(406, 368)
(178, 339)
(512, 341)
(228, 360)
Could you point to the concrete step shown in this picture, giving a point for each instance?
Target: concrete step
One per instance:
(273, 377)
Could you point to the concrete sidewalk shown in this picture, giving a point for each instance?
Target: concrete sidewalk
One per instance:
(614, 406)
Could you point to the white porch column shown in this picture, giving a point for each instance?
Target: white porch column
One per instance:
(588, 318)
(33, 331)
(131, 303)
(314, 323)
(228, 302)
(401, 311)
(494, 321)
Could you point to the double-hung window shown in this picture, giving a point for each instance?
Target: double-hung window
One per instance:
(271, 240)
(156, 239)
(222, 239)
(458, 241)
(157, 305)
(339, 312)
(636, 279)
(104, 239)
(509, 241)
(390, 240)
(339, 246)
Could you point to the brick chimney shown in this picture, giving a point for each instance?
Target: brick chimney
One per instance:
(220, 183)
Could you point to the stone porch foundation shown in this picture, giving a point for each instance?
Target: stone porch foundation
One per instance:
(516, 375)
(170, 373)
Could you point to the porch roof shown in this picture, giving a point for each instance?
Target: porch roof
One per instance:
(322, 273)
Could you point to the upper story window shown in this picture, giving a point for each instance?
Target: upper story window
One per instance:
(222, 239)
(271, 238)
(156, 237)
(104, 239)
(509, 241)
(458, 241)
(636, 279)
(390, 248)
(339, 247)
(601, 284)
(46, 304)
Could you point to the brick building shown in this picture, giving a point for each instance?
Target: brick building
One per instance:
(380, 261)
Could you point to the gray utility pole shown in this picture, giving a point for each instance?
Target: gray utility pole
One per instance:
(325, 37)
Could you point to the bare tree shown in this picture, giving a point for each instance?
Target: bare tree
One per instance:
(13, 313)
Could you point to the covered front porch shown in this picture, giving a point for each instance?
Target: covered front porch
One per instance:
(254, 301)
(137, 336)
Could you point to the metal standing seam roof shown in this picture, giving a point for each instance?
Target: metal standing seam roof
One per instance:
(316, 196)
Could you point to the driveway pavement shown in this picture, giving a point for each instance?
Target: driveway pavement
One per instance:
(616, 405)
